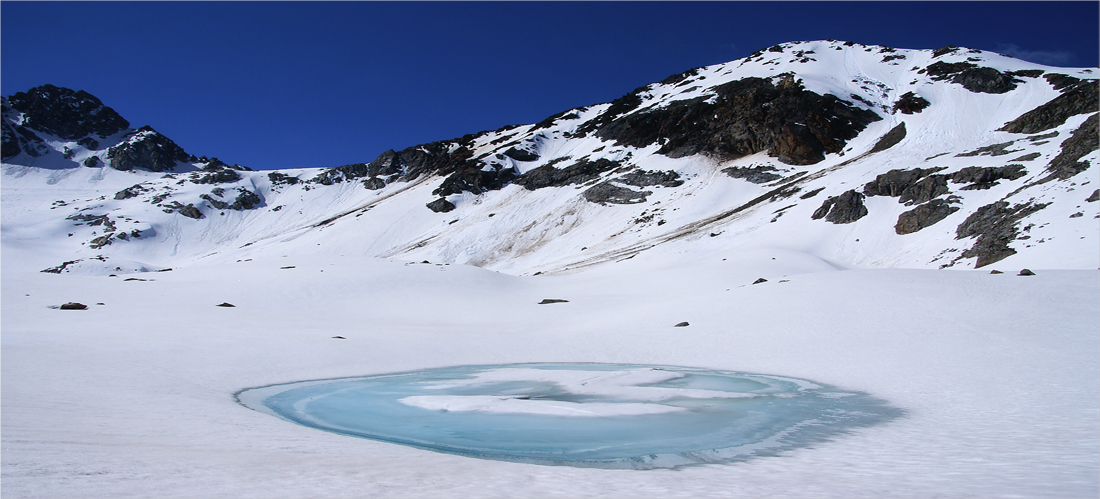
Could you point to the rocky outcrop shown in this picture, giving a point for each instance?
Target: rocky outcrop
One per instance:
(984, 178)
(972, 77)
(146, 149)
(910, 103)
(890, 139)
(216, 176)
(441, 205)
(1078, 98)
(578, 173)
(755, 174)
(279, 178)
(643, 178)
(995, 226)
(923, 216)
(843, 209)
(66, 113)
(476, 181)
(1067, 163)
(900, 183)
(606, 192)
(745, 117)
(131, 192)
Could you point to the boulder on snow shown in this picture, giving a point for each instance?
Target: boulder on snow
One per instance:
(441, 205)
(225, 304)
(1026, 272)
(682, 324)
(552, 300)
(759, 280)
(74, 306)
(843, 209)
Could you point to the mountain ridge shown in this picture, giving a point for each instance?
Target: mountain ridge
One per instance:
(946, 158)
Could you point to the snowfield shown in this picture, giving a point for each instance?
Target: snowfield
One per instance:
(133, 398)
(997, 373)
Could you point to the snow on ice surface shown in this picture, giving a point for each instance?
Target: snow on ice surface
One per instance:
(547, 414)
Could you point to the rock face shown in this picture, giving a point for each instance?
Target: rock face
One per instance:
(923, 216)
(1068, 162)
(441, 205)
(66, 113)
(605, 192)
(910, 103)
(972, 77)
(578, 173)
(756, 175)
(147, 150)
(995, 226)
(843, 209)
(1077, 98)
(746, 116)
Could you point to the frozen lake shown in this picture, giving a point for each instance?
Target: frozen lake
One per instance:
(586, 415)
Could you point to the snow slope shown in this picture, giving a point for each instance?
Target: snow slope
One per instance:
(134, 397)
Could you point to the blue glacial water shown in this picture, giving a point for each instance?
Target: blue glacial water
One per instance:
(587, 415)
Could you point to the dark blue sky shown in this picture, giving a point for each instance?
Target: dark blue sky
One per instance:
(297, 84)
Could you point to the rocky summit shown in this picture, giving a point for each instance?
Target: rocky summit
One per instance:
(863, 156)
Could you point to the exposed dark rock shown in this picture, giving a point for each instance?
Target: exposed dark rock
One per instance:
(984, 178)
(682, 324)
(1027, 73)
(10, 142)
(218, 176)
(924, 190)
(568, 114)
(73, 306)
(147, 150)
(101, 241)
(93, 162)
(279, 178)
(995, 271)
(27, 140)
(1026, 272)
(441, 205)
(923, 216)
(843, 209)
(894, 183)
(942, 51)
(755, 174)
(374, 183)
(88, 143)
(812, 193)
(760, 280)
(995, 226)
(552, 300)
(246, 200)
(891, 138)
(747, 116)
(972, 77)
(1067, 163)
(216, 203)
(1061, 81)
(1082, 97)
(521, 154)
(1028, 157)
(643, 178)
(66, 113)
(58, 269)
(578, 173)
(189, 211)
(990, 150)
(910, 103)
(605, 192)
(225, 304)
(474, 180)
(618, 107)
(1095, 196)
(131, 192)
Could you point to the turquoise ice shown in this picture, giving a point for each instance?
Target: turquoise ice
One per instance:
(590, 415)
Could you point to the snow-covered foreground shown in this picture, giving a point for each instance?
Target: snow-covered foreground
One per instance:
(134, 397)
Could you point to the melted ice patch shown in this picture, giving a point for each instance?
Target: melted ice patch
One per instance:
(590, 415)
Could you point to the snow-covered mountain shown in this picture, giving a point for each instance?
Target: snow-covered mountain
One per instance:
(862, 156)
